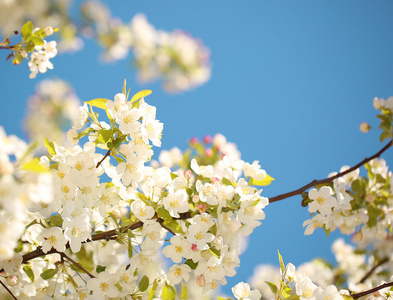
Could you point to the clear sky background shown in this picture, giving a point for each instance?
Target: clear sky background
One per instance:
(291, 82)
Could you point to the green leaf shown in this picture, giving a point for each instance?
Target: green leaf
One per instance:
(140, 95)
(268, 180)
(113, 218)
(29, 272)
(56, 220)
(215, 252)
(191, 264)
(17, 59)
(272, 287)
(106, 134)
(34, 166)
(173, 175)
(37, 41)
(27, 30)
(48, 274)
(184, 292)
(373, 215)
(385, 135)
(282, 266)
(98, 102)
(226, 181)
(144, 283)
(29, 47)
(286, 292)
(164, 214)
(232, 205)
(100, 269)
(129, 250)
(168, 292)
(50, 146)
(88, 266)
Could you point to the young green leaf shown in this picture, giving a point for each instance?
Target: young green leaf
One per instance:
(29, 272)
(27, 30)
(168, 292)
(268, 180)
(48, 274)
(34, 166)
(272, 287)
(144, 283)
(184, 292)
(98, 102)
(140, 95)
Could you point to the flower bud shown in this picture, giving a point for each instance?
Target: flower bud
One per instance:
(208, 152)
(194, 141)
(201, 281)
(195, 198)
(48, 31)
(207, 139)
(194, 247)
(364, 127)
(201, 208)
(187, 174)
(12, 280)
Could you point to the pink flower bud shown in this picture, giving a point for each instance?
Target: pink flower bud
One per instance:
(193, 141)
(207, 139)
(215, 179)
(201, 281)
(195, 198)
(208, 152)
(194, 247)
(201, 208)
(12, 280)
(187, 174)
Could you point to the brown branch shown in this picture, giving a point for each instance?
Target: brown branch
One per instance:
(330, 179)
(161, 222)
(358, 295)
(105, 156)
(107, 235)
(76, 264)
(371, 271)
(8, 290)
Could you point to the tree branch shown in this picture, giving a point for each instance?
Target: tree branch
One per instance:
(330, 179)
(8, 290)
(76, 264)
(371, 271)
(358, 295)
(107, 235)
(105, 156)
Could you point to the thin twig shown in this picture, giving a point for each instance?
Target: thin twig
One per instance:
(371, 271)
(8, 290)
(105, 156)
(76, 264)
(161, 221)
(329, 179)
(358, 295)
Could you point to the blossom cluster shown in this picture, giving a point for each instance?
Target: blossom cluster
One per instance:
(50, 111)
(33, 47)
(116, 229)
(179, 59)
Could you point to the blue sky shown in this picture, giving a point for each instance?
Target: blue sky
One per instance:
(291, 82)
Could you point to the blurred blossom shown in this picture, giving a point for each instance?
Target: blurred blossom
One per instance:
(51, 110)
